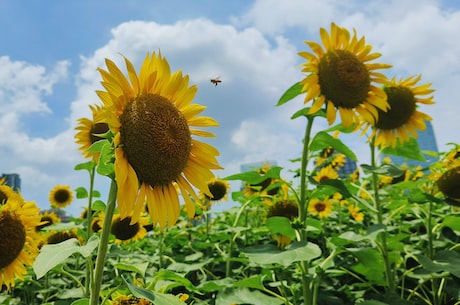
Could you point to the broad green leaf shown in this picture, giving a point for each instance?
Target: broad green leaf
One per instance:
(183, 267)
(337, 184)
(98, 145)
(139, 268)
(81, 302)
(281, 225)
(370, 265)
(98, 205)
(245, 296)
(295, 252)
(168, 275)
(305, 112)
(384, 169)
(52, 255)
(81, 192)
(216, 285)
(89, 166)
(294, 91)
(255, 282)
(444, 261)
(351, 237)
(409, 150)
(452, 221)
(323, 140)
(254, 177)
(154, 297)
(105, 166)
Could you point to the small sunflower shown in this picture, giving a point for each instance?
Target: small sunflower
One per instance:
(124, 230)
(320, 207)
(60, 196)
(403, 119)
(219, 189)
(47, 218)
(18, 239)
(356, 213)
(449, 183)
(152, 117)
(342, 76)
(89, 131)
(284, 208)
(326, 173)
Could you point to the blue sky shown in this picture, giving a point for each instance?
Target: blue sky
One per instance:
(49, 52)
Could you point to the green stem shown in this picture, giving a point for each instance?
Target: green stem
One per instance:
(306, 290)
(103, 245)
(89, 219)
(379, 208)
(230, 246)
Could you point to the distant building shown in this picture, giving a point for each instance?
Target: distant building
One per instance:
(426, 142)
(12, 180)
(348, 168)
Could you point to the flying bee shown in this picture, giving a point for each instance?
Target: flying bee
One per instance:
(216, 80)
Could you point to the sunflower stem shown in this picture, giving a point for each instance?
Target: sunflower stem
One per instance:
(306, 289)
(103, 245)
(89, 219)
(384, 247)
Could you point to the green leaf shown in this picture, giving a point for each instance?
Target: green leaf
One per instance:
(255, 282)
(305, 112)
(245, 296)
(168, 275)
(337, 184)
(182, 267)
(216, 285)
(60, 226)
(154, 297)
(295, 252)
(84, 301)
(323, 140)
(444, 261)
(351, 237)
(452, 222)
(81, 192)
(89, 166)
(384, 169)
(98, 205)
(52, 255)
(98, 145)
(139, 268)
(409, 150)
(280, 225)
(294, 91)
(370, 265)
(105, 166)
(254, 177)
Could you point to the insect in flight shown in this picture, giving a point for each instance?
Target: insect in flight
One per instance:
(216, 80)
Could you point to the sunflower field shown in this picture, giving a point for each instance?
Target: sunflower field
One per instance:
(339, 232)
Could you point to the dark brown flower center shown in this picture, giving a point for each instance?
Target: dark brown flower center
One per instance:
(449, 183)
(320, 206)
(12, 238)
(155, 138)
(218, 190)
(61, 196)
(285, 208)
(123, 230)
(96, 130)
(343, 79)
(60, 236)
(402, 107)
(48, 220)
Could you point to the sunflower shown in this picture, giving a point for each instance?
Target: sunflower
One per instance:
(326, 173)
(18, 239)
(320, 207)
(342, 76)
(60, 196)
(449, 183)
(124, 230)
(403, 118)
(90, 131)
(7, 194)
(219, 189)
(284, 208)
(355, 213)
(57, 237)
(152, 116)
(47, 218)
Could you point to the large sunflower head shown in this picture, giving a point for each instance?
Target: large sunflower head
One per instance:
(403, 119)
(18, 239)
(154, 123)
(90, 131)
(60, 196)
(341, 76)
